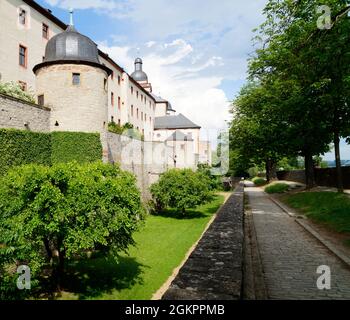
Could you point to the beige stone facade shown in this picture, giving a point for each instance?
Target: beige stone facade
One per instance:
(81, 107)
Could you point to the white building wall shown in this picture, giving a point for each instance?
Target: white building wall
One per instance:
(162, 135)
(12, 34)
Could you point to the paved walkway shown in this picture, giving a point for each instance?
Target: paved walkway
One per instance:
(290, 256)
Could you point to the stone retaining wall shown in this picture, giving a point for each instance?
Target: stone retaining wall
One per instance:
(326, 177)
(18, 114)
(214, 271)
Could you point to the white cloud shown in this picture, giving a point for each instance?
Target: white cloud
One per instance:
(195, 96)
(189, 47)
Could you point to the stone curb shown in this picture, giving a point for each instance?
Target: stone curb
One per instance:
(301, 221)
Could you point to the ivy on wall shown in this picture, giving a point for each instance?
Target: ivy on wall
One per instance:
(18, 147)
(79, 146)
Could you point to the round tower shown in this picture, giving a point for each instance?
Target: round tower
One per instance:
(73, 83)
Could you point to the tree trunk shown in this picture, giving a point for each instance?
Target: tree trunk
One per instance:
(338, 162)
(271, 170)
(267, 167)
(60, 270)
(48, 249)
(309, 171)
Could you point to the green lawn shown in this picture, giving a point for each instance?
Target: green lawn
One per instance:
(161, 246)
(329, 208)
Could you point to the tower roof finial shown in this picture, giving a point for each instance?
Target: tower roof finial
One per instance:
(71, 12)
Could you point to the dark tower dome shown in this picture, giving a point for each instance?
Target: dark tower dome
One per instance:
(72, 47)
(138, 74)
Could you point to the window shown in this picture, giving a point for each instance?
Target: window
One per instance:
(132, 110)
(141, 115)
(105, 84)
(112, 119)
(141, 97)
(112, 98)
(76, 79)
(23, 85)
(119, 121)
(41, 100)
(132, 90)
(119, 80)
(137, 94)
(22, 17)
(23, 56)
(137, 113)
(119, 103)
(45, 31)
(112, 75)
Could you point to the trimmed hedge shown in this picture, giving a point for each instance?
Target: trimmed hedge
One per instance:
(19, 147)
(75, 146)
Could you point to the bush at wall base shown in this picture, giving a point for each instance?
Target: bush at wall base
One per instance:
(181, 189)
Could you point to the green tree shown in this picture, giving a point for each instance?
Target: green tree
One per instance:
(181, 189)
(305, 70)
(52, 214)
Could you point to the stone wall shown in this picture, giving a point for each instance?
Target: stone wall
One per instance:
(214, 270)
(15, 113)
(80, 108)
(294, 175)
(146, 160)
(326, 177)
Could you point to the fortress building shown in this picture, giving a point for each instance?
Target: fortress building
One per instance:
(77, 86)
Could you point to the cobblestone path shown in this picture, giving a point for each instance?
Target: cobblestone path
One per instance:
(290, 256)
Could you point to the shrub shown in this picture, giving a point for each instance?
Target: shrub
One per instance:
(180, 189)
(14, 90)
(259, 181)
(215, 182)
(75, 146)
(277, 188)
(19, 147)
(51, 214)
(127, 129)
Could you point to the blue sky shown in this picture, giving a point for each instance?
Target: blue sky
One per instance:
(195, 52)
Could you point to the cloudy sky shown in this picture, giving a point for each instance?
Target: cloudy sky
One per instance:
(195, 51)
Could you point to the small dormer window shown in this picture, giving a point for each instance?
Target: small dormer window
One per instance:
(22, 17)
(76, 79)
(45, 31)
